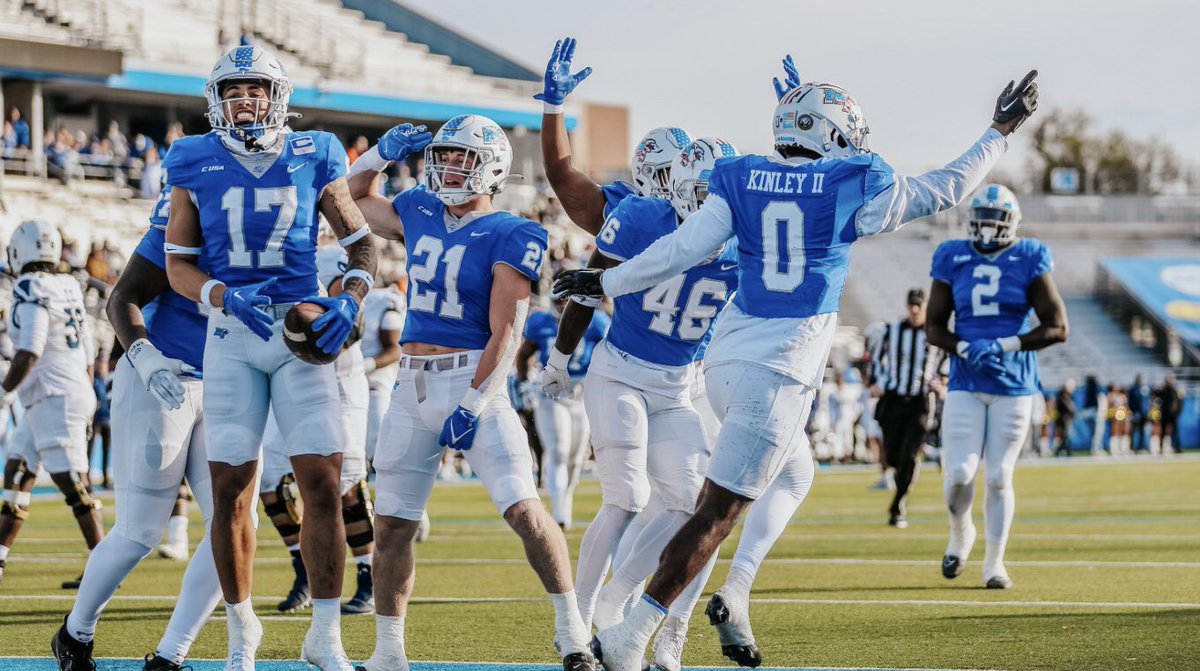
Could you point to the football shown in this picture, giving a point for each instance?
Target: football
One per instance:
(300, 337)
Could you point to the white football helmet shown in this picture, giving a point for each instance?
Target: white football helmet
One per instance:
(33, 241)
(243, 64)
(994, 216)
(487, 159)
(691, 169)
(332, 263)
(651, 162)
(822, 118)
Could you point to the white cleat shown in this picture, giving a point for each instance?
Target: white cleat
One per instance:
(731, 616)
(996, 577)
(384, 662)
(668, 645)
(617, 649)
(324, 653)
(610, 608)
(244, 646)
(177, 551)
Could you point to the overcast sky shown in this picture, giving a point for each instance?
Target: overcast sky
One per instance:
(926, 72)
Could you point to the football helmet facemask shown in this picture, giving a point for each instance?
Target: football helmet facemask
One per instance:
(994, 216)
(249, 64)
(486, 158)
(651, 162)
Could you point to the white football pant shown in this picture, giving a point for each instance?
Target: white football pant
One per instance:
(562, 427)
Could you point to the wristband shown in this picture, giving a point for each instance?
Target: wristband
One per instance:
(558, 359)
(206, 293)
(586, 301)
(474, 400)
(369, 160)
(551, 108)
(360, 274)
(961, 347)
(355, 236)
(1010, 344)
(177, 249)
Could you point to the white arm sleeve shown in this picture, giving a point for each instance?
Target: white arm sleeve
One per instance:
(35, 327)
(915, 197)
(701, 234)
(496, 382)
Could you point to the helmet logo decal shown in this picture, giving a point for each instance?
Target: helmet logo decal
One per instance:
(805, 122)
(453, 126)
(644, 149)
(844, 101)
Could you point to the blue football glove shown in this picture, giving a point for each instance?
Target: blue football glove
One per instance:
(790, 81)
(993, 366)
(978, 350)
(402, 140)
(244, 303)
(559, 81)
(337, 322)
(459, 430)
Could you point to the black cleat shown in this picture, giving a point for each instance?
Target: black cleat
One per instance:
(952, 567)
(579, 661)
(363, 601)
(3, 563)
(734, 643)
(298, 597)
(597, 653)
(999, 582)
(73, 584)
(71, 654)
(156, 663)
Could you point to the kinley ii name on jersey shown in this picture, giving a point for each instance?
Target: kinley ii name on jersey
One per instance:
(769, 181)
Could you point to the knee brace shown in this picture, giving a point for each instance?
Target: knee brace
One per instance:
(359, 511)
(80, 498)
(286, 496)
(15, 505)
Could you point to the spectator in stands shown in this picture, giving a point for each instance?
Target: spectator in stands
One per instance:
(1118, 421)
(9, 141)
(1170, 404)
(1095, 408)
(20, 129)
(360, 147)
(1139, 408)
(174, 132)
(141, 145)
(118, 142)
(62, 157)
(152, 174)
(97, 264)
(72, 261)
(247, 40)
(116, 261)
(1064, 417)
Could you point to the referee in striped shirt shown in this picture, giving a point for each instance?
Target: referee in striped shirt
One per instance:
(902, 366)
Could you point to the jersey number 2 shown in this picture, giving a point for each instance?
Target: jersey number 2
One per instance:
(988, 288)
(234, 204)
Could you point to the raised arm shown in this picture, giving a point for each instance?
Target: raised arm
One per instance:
(395, 145)
(581, 197)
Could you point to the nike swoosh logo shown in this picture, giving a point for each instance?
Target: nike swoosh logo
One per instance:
(1004, 108)
(294, 168)
(476, 234)
(728, 266)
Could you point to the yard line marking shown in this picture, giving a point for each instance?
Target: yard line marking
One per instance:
(305, 617)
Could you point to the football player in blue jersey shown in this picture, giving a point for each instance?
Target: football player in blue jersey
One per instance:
(647, 435)
(159, 439)
(587, 203)
(470, 269)
(795, 216)
(245, 199)
(561, 423)
(993, 284)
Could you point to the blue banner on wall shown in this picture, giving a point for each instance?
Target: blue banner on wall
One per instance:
(1167, 287)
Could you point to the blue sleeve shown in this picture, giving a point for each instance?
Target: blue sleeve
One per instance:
(524, 248)
(151, 247)
(1043, 260)
(407, 200)
(619, 239)
(179, 168)
(161, 213)
(721, 182)
(533, 324)
(336, 161)
(613, 195)
(941, 267)
(879, 176)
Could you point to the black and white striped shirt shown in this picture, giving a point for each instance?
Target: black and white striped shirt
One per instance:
(901, 360)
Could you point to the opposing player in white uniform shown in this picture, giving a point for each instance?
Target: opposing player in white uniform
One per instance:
(470, 269)
(158, 440)
(277, 487)
(50, 373)
(383, 320)
(993, 284)
(245, 199)
(794, 216)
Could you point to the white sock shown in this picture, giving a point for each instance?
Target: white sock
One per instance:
(198, 596)
(993, 557)
(766, 521)
(177, 529)
(738, 582)
(643, 620)
(644, 558)
(109, 563)
(389, 637)
(958, 501)
(327, 617)
(595, 554)
(568, 625)
(239, 616)
(3, 552)
(685, 603)
(364, 559)
(295, 547)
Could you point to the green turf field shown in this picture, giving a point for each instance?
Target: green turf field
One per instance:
(1105, 556)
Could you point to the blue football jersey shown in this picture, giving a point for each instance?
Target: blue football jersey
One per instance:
(991, 300)
(666, 324)
(173, 323)
(794, 225)
(614, 193)
(258, 226)
(542, 328)
(450, 271)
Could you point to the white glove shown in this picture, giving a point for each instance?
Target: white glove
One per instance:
(159, 372)
(555, 380)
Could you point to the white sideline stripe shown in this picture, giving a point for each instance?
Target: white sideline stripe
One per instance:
(68, 558)
(809, 602)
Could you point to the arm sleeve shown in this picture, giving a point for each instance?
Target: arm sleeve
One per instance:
(940, 269)
(336, 163)
(524, 249)
(701, 234)
(392, 321)
(1044, 261)
(911, 198)
(35, 326)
